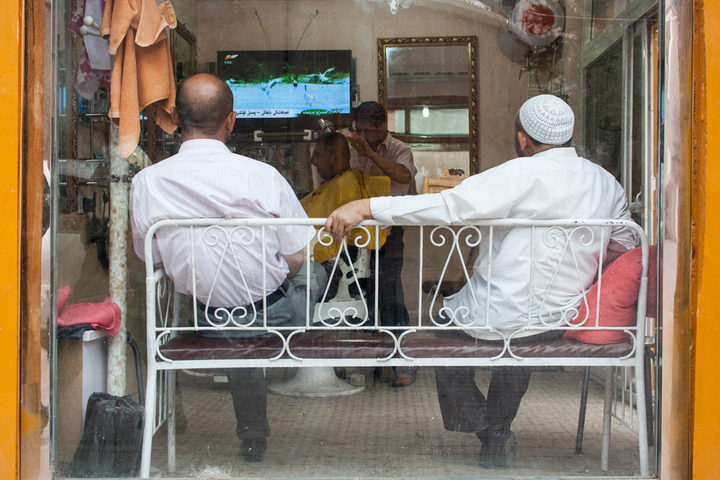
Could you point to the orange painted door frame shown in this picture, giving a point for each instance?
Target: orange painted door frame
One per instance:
(706, 197)
(706, 419)
(11, 88)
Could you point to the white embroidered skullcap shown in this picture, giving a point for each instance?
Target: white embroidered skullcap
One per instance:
(547, 119)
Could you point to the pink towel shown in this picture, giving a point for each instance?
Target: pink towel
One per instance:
(101, 316)
(63, 294)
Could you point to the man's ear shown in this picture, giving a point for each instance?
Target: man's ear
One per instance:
(524, 142)
(230, 122)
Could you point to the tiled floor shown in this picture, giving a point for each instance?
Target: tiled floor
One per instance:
(385, 432)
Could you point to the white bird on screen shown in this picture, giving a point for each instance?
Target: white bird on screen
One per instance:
(265, 87)
(309, 97)
(322, 77)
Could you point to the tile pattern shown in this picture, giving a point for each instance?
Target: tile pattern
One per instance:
(386, 432)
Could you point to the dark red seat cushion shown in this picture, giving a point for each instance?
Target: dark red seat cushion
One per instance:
(348, 345)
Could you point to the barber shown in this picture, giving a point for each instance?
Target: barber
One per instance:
(376, 153)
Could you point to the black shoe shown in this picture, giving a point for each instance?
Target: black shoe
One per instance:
(252, 449)
(499, 449)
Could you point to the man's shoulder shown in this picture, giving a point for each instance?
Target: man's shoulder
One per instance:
(228, 163)
(564, 157)
(396, 143)
(517, 165)
(358, 176)
(337, 183)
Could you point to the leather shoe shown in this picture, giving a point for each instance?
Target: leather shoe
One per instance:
(404, 378)
(252, 449)
(499, 449)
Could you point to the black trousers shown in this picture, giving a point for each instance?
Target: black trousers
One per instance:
(248, 388)
(463, 406)
(391, 301)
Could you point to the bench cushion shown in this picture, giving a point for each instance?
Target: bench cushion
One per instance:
(347, 345)
(460, 345)
(618, 301)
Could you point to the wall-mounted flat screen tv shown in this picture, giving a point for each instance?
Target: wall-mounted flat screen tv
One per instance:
(287, 83)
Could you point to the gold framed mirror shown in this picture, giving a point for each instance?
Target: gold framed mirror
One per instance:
(428, 85)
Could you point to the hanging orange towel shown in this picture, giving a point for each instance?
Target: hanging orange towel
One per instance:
(142, 70)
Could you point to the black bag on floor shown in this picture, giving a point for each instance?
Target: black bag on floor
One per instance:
(111, 442)
(112, 437)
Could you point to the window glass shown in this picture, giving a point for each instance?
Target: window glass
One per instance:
(415, 98)
(442, 121)
(604, 110)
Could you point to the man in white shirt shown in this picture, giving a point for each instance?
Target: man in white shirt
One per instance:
(205, 180)
(376, 152)
(548, 181)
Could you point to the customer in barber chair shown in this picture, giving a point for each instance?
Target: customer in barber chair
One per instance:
(341, 184)
(205, 180)
(548, 180)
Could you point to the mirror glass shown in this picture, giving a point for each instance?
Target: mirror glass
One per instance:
(428, 88)
(185, 51)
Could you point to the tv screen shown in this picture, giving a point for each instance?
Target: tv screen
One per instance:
(287, 83)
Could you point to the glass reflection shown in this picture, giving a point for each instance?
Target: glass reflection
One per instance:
(381, 431)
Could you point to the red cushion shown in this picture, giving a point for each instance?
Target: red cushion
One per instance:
(618, 300)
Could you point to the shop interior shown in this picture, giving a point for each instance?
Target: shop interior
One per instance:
(452, 75)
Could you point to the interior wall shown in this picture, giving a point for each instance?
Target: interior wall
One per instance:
(186, 12)
(355, 25)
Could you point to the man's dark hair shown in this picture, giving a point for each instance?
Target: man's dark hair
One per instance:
(203, 114)
(370, 112)
(536, 144)
(335, 140)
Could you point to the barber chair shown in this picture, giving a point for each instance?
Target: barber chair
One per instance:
(344, 306)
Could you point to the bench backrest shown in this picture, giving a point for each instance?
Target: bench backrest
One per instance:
(555, 283)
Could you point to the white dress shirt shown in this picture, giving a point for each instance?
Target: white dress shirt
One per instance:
(552, 184)
(391, 149)
(205, 180)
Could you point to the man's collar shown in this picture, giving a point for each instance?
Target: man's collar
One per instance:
(202, 144)
(385, 142)
(341, 172)
(558, 152)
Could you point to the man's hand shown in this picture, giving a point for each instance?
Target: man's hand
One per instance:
(397, 172)
(342, 220)
(359, 143)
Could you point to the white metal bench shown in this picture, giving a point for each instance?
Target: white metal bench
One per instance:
(346, 337)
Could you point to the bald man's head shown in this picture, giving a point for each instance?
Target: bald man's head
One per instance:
(202, 104)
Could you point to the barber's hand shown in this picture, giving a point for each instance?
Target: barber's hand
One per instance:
(359, 143)
(342, 220)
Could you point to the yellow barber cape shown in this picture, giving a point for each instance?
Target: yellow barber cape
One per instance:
(343, 188)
